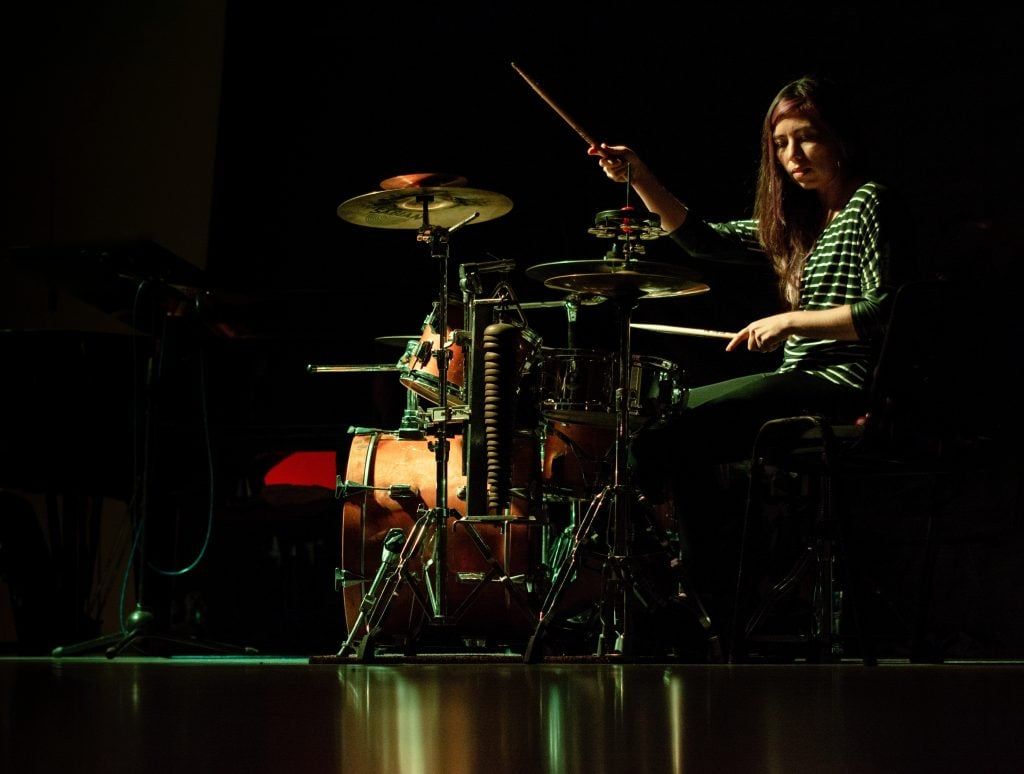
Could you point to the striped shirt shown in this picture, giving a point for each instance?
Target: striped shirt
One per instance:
(847, 266)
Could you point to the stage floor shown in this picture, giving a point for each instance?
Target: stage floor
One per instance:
(284, 715)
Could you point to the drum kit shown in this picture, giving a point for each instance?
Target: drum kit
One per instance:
(526, 515)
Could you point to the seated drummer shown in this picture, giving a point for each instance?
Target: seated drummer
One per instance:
(828, 232)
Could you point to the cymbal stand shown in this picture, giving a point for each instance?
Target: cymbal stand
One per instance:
(613, 501)
(624, 586)
(432, 595)
(625, 589)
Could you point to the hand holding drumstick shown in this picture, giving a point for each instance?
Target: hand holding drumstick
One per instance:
(614, 160)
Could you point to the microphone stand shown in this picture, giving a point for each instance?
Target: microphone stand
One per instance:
(141, 620)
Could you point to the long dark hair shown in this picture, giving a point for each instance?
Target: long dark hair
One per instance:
(790, 219)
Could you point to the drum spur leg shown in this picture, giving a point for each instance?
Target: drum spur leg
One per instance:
(395, 554)
(394, 540)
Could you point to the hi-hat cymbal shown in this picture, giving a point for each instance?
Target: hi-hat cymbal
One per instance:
(615, 278)
(403, 207)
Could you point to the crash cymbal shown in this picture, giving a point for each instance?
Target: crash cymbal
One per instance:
(397, 341)
(403, 207)
(615, 278)
(423, 180)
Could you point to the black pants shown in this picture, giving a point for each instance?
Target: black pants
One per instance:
(720, 422)
(679, 457)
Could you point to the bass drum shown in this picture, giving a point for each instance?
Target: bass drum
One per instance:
(578, 460)
(407, 468)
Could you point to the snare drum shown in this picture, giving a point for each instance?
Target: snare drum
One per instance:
(419, 371)
(578, 386)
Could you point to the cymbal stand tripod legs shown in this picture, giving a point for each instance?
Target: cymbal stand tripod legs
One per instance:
(613, 501)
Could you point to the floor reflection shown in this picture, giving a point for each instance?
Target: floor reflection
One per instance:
(155, 715)
(670, 718)
(509, 718)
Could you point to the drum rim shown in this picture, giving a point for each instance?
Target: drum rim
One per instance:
(599, 406)
(430, 386)
(565, 353)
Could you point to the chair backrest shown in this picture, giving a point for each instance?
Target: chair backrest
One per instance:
(912, 398)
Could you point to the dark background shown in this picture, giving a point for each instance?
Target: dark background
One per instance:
(228, 134)
(320, 105)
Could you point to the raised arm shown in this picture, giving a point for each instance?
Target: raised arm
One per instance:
(657, 198)
(734, 242)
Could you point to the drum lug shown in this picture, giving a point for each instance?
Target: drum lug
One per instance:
(345, 489)
(479, 577)
(400, 491)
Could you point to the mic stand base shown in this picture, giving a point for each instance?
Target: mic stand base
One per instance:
(140, 630)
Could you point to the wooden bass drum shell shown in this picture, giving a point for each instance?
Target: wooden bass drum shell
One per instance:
(383, 459)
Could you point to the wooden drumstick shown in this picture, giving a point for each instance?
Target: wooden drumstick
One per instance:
(680, 331)
(565, 116)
